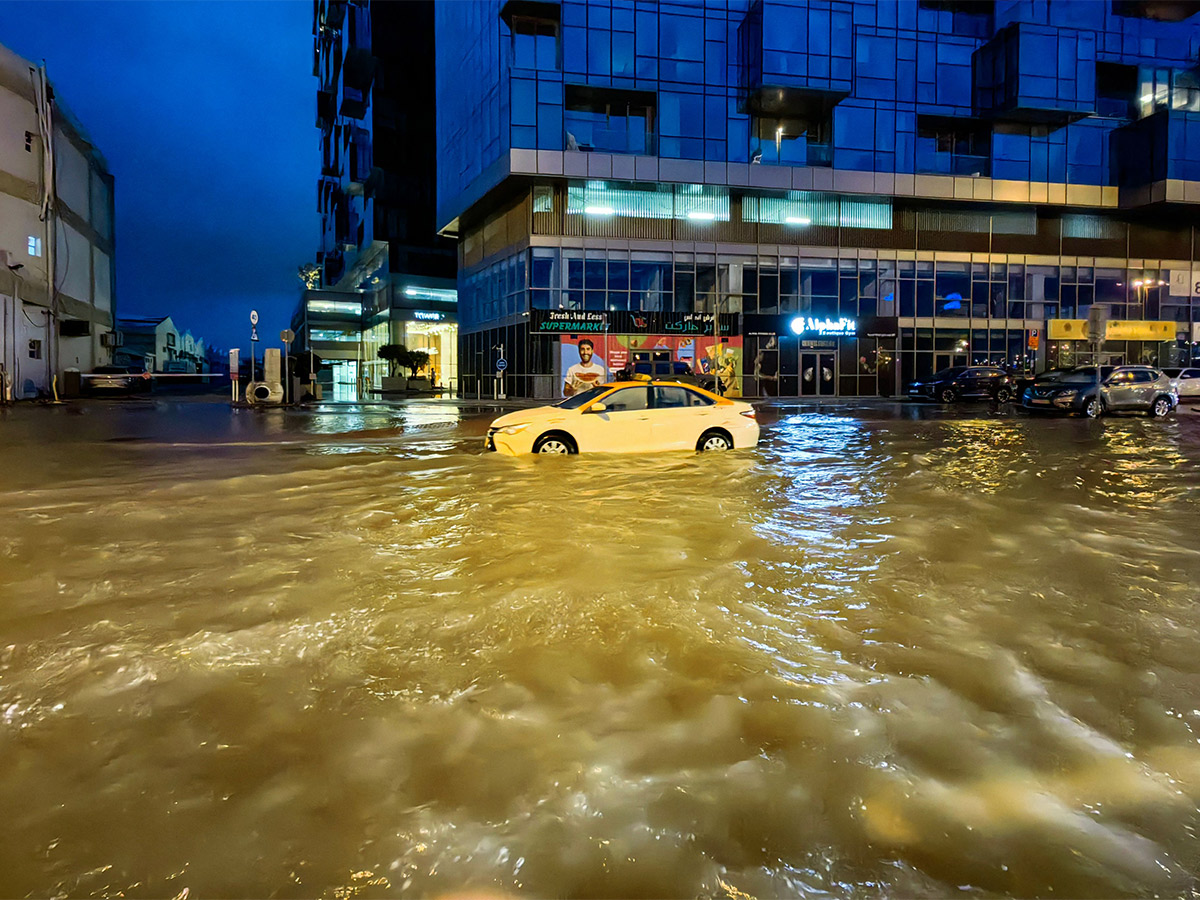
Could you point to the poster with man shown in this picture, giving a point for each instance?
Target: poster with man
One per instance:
(585, 373)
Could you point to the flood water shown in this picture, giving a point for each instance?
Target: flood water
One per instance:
(350, 655)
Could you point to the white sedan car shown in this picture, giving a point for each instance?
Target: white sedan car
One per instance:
(1186, 382)
(628, 417)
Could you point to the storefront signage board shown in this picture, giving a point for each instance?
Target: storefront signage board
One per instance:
(1117, 330)
(567, 321)
(822, 326)
(554, 321)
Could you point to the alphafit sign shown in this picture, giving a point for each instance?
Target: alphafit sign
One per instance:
(812, 326)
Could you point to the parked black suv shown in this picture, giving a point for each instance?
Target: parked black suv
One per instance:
(964, 382)
(1121, 389)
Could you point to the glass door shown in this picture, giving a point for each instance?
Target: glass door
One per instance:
(818, 374)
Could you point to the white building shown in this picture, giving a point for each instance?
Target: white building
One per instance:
(156, 343)
(56, 210)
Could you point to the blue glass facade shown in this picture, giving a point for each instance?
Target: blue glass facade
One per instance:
(966, 141)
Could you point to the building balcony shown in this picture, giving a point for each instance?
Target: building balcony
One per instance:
(1159, 148)
(960, 164)
(358, 69)
(795, 62)
(354, 102)
(819, 155)
(326, 109)
(1036, 75)
(332, 13)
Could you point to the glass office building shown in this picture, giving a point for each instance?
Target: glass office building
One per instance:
(830, 197)
(382, 274)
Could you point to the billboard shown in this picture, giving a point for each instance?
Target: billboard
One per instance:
(603, 357)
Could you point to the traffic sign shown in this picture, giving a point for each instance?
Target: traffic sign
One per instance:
(254, 317)
(501, 364)
(287, 335)
(254, 334)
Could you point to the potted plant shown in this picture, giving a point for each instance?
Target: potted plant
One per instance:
(417, 360)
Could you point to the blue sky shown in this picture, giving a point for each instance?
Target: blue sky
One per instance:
(205, 113)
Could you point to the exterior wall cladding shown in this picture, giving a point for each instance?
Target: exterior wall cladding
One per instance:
(959, 181)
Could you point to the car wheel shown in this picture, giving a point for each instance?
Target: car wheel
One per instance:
(714, 440)
(1093, 409)
(1161, 407)
(947, 395)
(1003, 395)
(554, 443)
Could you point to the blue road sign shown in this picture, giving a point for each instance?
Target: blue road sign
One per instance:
(501, 364)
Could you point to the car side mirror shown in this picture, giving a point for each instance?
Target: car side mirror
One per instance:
(597, 408)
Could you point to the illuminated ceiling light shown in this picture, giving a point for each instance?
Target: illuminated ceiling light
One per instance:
(599, 210)
(702, 216)
(797, 220)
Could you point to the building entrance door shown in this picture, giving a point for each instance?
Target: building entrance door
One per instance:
(345, 380)
(818, 374)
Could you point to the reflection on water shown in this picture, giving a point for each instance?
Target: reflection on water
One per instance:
(352, 656)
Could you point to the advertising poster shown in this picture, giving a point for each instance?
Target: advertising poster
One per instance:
(702, 355)
(582, 363)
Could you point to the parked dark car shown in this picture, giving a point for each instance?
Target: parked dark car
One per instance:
(965, 383)
(1024, 382)
(676, 370)
(1120, 389)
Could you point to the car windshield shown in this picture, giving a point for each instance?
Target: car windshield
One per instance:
(577, 400)
(950, 373)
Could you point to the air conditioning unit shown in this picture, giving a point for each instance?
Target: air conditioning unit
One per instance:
(112, 339)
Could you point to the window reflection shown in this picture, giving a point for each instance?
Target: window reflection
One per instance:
(608, 121)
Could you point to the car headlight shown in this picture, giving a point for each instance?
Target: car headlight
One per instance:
(514, 429)
(1065, 395)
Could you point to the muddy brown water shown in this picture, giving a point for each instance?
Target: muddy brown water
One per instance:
(350, 655)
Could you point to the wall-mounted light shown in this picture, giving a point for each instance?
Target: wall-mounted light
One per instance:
(701, 216)
(599, 210)
(797, 220)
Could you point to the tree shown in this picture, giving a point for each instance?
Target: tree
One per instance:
(395, 355)
(417, 360)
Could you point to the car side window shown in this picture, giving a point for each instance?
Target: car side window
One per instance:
(1143, 376)
(1121, 378)
(1190, 373)
(626, 400)
(670, 398)
(678, 397)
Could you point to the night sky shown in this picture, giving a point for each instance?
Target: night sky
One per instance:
(205, 114)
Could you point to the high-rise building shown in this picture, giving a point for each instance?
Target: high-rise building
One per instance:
(831, 197)
(384, 275)
(56, 214)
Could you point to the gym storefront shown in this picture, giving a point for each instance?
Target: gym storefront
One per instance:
(814, 356)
